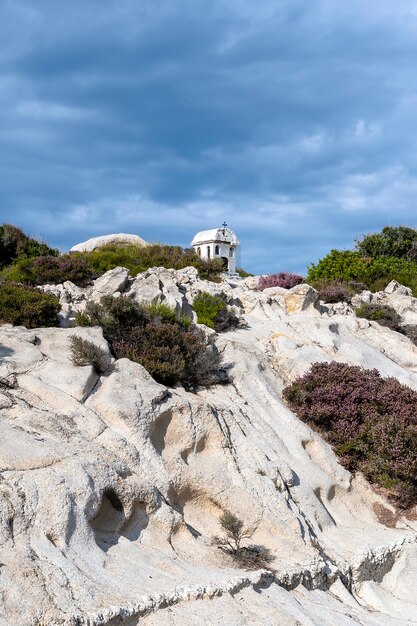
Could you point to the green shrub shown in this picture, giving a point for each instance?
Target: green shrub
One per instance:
(15, 244)
(21, 305)
(213, 312)
(82, 319)
(171, 348)
(117, 317)
(43, 270)
(393, 241)
(347, 266)
(370, 421)
(163, 312)
(84, 352)
(383, 314)
(337, 265)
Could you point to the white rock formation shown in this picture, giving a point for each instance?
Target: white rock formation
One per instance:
(97, 242)
(112, 486)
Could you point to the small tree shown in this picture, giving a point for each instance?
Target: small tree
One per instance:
(234, 533)
(249, 557)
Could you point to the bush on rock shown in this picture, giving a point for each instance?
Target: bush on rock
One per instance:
(375, 272)
(234, 533)
(21, 305)
(286, 280)
(332, 291)
(44, 270)
(171, 348)
(370, 421)
(392, 241)
(383, 314)
(213, 312)
(410, 331)
(84, 352)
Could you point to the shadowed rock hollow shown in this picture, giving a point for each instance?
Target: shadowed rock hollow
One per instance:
(112, 485)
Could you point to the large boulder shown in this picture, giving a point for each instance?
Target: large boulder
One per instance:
(400, 290)
(97, 242)
(299, 298)
(111, 282)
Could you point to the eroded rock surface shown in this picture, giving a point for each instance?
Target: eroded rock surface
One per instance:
(111, 486)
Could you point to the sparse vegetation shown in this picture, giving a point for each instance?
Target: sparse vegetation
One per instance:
(286, 280)
(370, 421)
(171, 348)
(213, 312)
(84, 352)
(242, 273)
(234, 533)
(21, 305)
(383, 314)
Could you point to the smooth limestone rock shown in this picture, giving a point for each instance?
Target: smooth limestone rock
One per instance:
(97, 242)
(113, 281)
(112, 486)
(395, 287)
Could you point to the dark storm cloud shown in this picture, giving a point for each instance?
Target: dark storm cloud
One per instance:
(294, 121)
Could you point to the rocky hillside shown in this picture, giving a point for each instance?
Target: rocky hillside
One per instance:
(112, 485)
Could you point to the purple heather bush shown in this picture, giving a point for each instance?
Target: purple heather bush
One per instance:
(337, 291)
(171, 348)
(283, 279)
(370, 421)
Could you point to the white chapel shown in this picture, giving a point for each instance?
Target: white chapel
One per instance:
(218, 243)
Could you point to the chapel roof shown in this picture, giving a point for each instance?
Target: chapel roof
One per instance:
(216, 234)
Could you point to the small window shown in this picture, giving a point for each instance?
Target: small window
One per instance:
(217, 250)
(199, 251)
(208, 252)
(231, 252)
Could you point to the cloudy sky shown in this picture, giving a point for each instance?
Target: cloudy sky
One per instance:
(295, 121)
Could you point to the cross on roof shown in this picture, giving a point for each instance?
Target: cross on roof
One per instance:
(224, 225)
